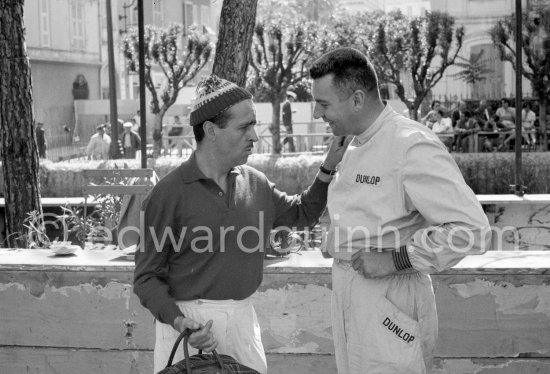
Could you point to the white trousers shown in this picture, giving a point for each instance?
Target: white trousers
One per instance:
(235, 327)
(382, 325)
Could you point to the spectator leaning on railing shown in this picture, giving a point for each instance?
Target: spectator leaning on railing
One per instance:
(443, 125)
(528, 118)
(465, 130)
(429, 118)
(506, 114)
(483, 113)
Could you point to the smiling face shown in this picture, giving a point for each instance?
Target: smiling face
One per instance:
(234, 142)
(332, 106)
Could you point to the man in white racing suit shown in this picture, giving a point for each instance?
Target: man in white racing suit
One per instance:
(399, 209)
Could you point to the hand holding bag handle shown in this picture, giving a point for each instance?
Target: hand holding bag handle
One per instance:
(185, 335)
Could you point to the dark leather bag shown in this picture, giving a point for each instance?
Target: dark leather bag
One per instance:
(212, 363)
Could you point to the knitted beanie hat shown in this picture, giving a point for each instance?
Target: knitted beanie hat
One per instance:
(213, 96)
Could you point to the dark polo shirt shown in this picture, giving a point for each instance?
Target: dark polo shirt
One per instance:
(201, 243)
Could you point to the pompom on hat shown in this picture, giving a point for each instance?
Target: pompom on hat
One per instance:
(214, 95)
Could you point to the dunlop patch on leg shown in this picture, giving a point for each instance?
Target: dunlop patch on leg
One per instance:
(393, 327)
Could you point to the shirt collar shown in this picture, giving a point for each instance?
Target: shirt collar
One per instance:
(190, 172)
(367, 135)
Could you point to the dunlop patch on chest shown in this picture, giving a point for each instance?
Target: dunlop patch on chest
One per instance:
(367, 179)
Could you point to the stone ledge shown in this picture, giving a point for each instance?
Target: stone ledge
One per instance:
(306, 262)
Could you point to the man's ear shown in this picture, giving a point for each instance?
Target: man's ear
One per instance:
(209, 130)
(358, 100)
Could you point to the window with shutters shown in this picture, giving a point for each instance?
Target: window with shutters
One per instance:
(205, 13)
(189, 20)
(196, 16)
(44, 23)
(158, 13)
(78, 38)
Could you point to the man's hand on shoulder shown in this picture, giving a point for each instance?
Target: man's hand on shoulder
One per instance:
(336, 151)
(372, 263)
(202, 338)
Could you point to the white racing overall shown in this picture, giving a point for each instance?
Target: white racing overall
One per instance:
(397, 185)
(376, 322)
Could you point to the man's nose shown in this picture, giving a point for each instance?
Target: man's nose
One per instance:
(253, 135)
(317, 111)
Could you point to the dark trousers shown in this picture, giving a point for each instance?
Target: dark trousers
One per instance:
(129, 152)
(289, 139)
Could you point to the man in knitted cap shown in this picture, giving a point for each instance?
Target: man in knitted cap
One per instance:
(213, 215)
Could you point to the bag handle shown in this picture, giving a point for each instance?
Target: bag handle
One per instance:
(185, 336)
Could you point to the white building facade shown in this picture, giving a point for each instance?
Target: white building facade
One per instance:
(477, 17)
(67, 43)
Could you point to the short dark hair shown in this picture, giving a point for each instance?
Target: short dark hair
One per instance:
(220, 120)
(352, 70)
(505, 100)
(434, 102)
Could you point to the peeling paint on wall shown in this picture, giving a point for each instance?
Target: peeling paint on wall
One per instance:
(455, 366)
(295, 319)
(479, 366)
(7, 286)
(510, 299)
(111, 290)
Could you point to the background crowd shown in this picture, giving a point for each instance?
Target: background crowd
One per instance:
(492, 123)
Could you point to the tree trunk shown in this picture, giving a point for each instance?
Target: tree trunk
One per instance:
(275, 126)
(237, 22)
(413, 110)
(543, 104)
(157, 133)
(19, 150)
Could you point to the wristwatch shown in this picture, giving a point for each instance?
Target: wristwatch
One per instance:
(326, 171)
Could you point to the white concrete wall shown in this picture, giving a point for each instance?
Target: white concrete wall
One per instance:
(79, 314)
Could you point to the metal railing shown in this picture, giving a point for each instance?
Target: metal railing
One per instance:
(184, 145)
(302, 142)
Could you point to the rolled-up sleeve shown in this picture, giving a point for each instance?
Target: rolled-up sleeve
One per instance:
(434, 186)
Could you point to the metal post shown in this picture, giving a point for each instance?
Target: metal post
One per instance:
(518, 186)
(112, 83)
(142, 109)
